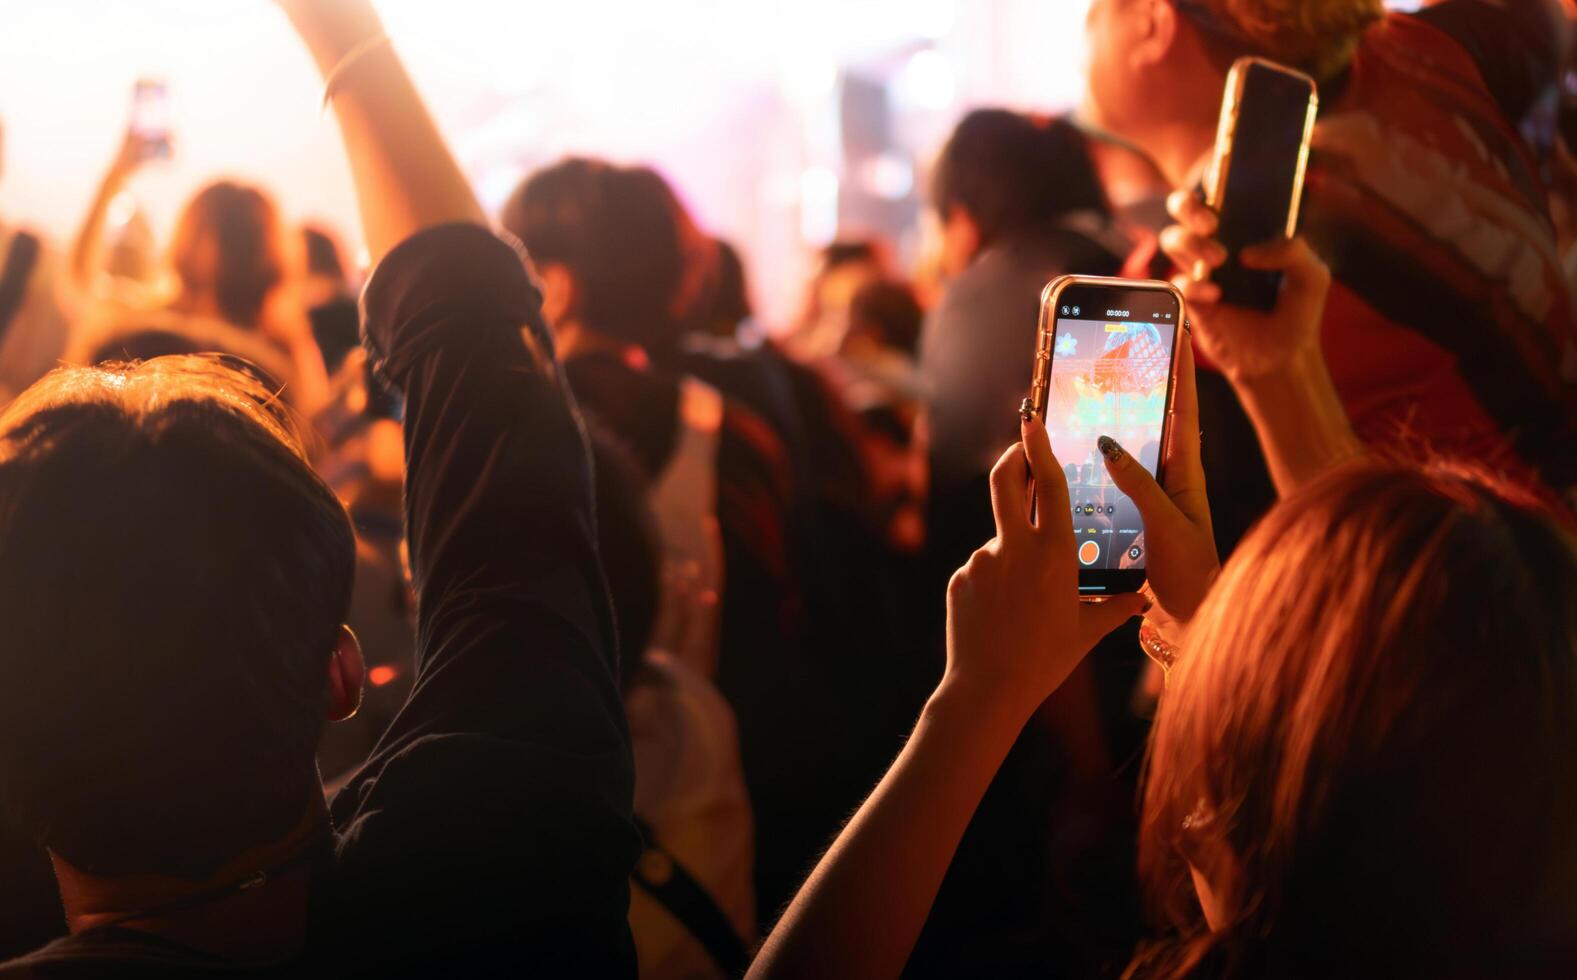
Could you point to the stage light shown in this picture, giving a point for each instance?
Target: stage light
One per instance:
(927, 81)
(818, 206)
(889, 176)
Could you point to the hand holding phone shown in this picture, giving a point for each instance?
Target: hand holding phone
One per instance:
(1255, 181)
(1246, 343)
(1015, 626)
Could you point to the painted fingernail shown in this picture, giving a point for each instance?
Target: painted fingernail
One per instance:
(1110, 449)
(1026, 411)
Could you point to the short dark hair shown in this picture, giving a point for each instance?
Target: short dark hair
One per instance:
(322, 254)
(887, 311)
(620, 233)
(849, 251)
(173, 575)
(722, 299)
(1015, 174)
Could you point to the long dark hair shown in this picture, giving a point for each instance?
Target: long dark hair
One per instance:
(1369, 747)
(230, 245)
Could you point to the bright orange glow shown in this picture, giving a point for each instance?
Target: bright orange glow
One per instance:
(381, 675)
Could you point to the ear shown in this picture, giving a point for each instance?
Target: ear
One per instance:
(347, 672)
(1155, 29)
(560, 294)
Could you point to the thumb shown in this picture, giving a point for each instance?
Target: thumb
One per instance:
(1097, 619)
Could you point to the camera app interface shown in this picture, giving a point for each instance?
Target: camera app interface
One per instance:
(1109, 372)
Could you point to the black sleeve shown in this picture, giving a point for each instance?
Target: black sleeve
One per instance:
(498, 803)
(1515, 43)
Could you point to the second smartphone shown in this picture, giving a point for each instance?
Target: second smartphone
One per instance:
(1255, 181)
(1105, 363)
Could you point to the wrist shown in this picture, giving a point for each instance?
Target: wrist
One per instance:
(1298, 415)
(1299, 370)
(977, 704)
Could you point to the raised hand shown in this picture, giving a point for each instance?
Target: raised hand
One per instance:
(1248, 344)
(1273, 360)
(1015, 626)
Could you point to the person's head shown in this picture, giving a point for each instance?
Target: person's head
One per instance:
(321, 258)
(1367, 753)
(1003, 175)
(1157, 67)
(608, 247)
(230, 252)
(145, 344)
(722, 301)
(173, 580)
(628, 543)
(885, 315)
(842, 269)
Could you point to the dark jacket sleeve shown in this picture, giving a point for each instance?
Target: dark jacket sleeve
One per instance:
(501, 793)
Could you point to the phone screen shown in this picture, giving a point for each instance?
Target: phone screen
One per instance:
(1110, 374)
(1263, 174)
(150, 116)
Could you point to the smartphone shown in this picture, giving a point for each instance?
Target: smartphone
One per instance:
(150, 117)
(1105, 357)
(1255, 180)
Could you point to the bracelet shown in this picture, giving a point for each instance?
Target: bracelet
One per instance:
(1156, 646)
(348, 61)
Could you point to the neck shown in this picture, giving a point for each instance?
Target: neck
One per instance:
(1183, 148)
(265, 920)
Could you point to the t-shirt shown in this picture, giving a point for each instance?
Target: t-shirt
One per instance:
(690, 790)
(977, 349)
(491, 830)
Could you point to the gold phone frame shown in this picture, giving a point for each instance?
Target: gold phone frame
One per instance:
(1045, 345)
(1226, 129)
(1046, 334)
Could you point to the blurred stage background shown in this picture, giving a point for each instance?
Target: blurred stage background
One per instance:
(783, 122)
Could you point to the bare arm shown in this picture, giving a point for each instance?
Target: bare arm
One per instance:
(87, 248)
(1300, 421)
(406, 179)
(1016, 630)
(862, 909)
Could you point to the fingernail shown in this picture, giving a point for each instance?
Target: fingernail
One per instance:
(1110, 449)
(1026, 411)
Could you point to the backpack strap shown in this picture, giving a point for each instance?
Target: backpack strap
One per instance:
(660, 875)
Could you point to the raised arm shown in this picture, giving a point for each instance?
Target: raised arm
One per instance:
(87, 248)
(495, 812)
(1016, 630)
(406, 179)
